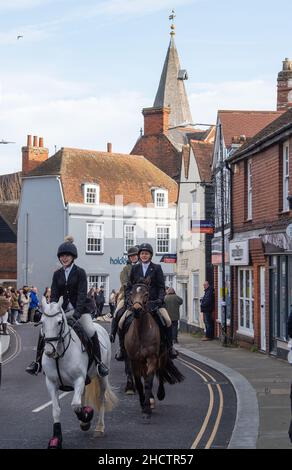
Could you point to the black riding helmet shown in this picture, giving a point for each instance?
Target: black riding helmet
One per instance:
(145, 247)
(67, 248)
(133, 250)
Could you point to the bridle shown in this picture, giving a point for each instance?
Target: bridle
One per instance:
(142, 307)
(60, 338)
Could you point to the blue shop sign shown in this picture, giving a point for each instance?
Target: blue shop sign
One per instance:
(119, 260)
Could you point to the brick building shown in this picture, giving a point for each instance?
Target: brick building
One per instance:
(261, 245)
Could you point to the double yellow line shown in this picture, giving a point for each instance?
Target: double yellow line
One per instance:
(206, 378)
(17, 346)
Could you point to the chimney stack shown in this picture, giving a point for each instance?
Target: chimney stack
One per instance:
(284, 89)
(33, 156)
(109, 147)
(156, 120)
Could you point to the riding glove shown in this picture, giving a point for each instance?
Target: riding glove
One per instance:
(76, 315)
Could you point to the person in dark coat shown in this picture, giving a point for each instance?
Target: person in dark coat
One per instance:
(146, 269)
(173, 303)
(70, 282)
(99, 300)
(207, 307)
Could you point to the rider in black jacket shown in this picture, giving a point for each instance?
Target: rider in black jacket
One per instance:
(71, 282)
(145, 268)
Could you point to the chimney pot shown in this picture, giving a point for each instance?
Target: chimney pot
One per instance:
(109, 147)
(35, 141)
(29, 141)
(41, 142)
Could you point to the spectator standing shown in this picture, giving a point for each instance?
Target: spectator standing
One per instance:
(47, 294)
(99, 300)
(173, 303)
(207, 307)
(4, 308)
(14, 307)
(33, 303)
(112, 302)
(24, 302)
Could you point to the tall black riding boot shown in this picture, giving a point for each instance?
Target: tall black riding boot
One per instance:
(36, 366)
(114, 328)
(102, 369)
(168, 335)
(120, 355)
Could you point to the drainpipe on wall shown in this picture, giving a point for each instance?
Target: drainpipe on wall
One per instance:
(26, 249)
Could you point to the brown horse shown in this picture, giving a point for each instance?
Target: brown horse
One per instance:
(143, 348)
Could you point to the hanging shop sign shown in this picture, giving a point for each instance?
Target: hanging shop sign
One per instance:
(238, 253)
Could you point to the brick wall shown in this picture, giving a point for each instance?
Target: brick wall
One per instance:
(8, 265)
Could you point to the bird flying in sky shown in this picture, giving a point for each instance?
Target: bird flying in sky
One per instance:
(19, 36)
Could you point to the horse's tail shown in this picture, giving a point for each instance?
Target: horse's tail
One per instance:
(93, 391)
(169, 372)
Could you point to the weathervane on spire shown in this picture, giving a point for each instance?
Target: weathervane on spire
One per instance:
(172, 26)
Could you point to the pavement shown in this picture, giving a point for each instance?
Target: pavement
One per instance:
(262, 386)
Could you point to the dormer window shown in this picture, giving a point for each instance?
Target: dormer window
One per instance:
(161, 198)
(91, 194)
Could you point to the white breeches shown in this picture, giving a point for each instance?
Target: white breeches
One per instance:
(85, 321)
(163, 312)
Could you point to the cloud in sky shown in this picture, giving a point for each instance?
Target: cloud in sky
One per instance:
(73, 114)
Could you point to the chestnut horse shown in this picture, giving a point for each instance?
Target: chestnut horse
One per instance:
(143, 348)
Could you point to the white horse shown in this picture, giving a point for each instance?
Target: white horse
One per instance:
(65, 364)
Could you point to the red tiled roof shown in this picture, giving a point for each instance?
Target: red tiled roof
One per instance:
(131, 176)
(248, 123)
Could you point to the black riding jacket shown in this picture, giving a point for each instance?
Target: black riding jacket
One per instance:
(74, 290)
(157, 283)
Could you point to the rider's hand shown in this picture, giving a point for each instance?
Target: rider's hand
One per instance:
(112, 338)
(158, 303)
(151, 305)
(76, 315)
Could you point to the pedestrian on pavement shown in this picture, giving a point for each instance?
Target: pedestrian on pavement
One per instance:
(14, 307)
(173, 303)
(33, 303)
(4, 308)
(47, 294)
(112, 302)
(207, 307)
(24, 302)
(99, 300)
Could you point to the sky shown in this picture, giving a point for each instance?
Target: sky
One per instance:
(83, 71)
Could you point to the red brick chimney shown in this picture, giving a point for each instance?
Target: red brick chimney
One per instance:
(156, 120)
(33, 156)
(284, 89)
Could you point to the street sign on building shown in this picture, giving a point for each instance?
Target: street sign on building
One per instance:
(238, 253)
(202, 226)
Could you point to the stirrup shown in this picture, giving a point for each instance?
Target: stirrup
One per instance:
(102, 370)
(34, 368)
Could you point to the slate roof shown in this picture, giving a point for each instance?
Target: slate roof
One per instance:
(171, 90)
(8, 212)
(132, 176)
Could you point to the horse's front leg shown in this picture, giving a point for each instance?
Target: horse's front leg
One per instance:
(148, 383)
(76, 404)
(56, 441)
(100, 423)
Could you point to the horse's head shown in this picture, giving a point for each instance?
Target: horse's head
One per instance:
(139, 296)
(53, 326)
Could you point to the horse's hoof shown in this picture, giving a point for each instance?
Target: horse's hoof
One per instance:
(84, 426)
(152, 403)
(99, 433)
(130, 391)
(55, 443)
(87, 414)
(161, 394)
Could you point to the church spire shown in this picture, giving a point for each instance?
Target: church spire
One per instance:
(171, 91)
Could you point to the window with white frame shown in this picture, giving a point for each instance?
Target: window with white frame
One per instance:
(246, 301)
(285, 176)
(94, 238)
(249, 190)
(91, 194)
(161, 198)
(129, 236)
(162, 239)
(97, 281)
(195, 206)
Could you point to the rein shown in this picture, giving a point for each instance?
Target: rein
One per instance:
(60, 338)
